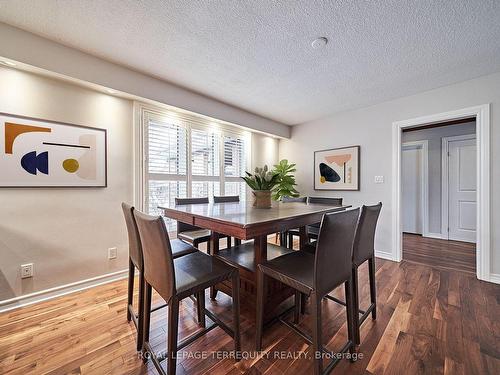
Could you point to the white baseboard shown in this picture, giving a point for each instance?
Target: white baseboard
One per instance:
(494, 278)
(384, 255)
(44, 295)
(433, 235)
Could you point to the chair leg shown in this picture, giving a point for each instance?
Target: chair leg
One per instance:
(147, 314)
(351, 318)
(355, 302)
(316, 334)
(130, 294)
(213, 293)
(297, 306)
(236, 314)
(141, 313)
(228, 242)
(373, 291)
(290, 241)
(303, 302)
(173, 327)
(237, 242)
(259, 318)
(200, 307)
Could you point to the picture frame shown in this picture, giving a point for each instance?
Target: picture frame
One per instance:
(337, 169)
(40, 153)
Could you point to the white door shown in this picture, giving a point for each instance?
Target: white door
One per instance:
(462, 190)
(412, 189)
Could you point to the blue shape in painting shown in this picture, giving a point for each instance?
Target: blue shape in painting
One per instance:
(328, 173)
(31, 162)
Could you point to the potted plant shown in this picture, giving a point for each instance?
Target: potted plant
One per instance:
(262, 182)
(285, 186)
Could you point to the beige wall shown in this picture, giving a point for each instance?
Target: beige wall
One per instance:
(64, 232)
(264, 150)
(371, 128)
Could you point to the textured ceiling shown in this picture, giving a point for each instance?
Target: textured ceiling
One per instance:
(256, 54)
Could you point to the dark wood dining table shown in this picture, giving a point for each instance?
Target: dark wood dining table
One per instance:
(244, 222)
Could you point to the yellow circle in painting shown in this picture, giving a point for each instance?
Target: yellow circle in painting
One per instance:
(71, 165)
(322, 179)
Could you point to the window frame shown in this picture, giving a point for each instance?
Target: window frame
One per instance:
(188, 122)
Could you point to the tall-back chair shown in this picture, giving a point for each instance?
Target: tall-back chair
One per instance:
(176, 279)
(283, 236)
(316, 275)
(228, 199)
(136, 260)
(313, 229)
(190, 233)
(364, 250)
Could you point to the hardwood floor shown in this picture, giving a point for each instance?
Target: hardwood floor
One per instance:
(453, 255)
(430, 321)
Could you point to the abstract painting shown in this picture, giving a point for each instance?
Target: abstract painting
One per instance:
(337, 169)
(43, 153)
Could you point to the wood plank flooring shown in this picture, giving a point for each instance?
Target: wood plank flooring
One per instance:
(430, 321)
(452, 255)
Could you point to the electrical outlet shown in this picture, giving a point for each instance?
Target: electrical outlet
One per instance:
(379, 179)
(26, 270)
(112, 253)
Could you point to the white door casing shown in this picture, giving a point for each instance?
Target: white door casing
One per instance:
(459, 188)
(483, 241)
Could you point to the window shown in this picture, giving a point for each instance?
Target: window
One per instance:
(217, 159)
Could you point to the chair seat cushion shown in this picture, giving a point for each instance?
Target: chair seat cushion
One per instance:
(197, 271)
(180, 248)
(295, 269)
(199, 235)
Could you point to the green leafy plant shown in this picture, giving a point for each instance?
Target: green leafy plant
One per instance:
(262, 179)
(285, 186)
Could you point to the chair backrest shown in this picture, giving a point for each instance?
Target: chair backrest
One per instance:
(185, 201)
(325, 200)
(226, 198)
(293, 199)
(333, 259)
(159, 269)
(183, 227)
(364, 239)
(134, 242)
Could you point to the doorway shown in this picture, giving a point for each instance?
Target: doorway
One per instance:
(479, 220)
(452, 205)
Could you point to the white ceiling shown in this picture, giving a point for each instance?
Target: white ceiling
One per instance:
(257, 54)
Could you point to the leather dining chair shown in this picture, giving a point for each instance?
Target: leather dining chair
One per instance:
(179, 248)
(313, 229)
(316, 275)
(190, 233)
(364, 250)
(176, 279)
(228, 199)
(283, 236)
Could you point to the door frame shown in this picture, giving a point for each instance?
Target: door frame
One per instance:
(424, 145)
(445, 162)
(482, 115)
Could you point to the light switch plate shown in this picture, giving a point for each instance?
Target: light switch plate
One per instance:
(379, 179)
(112, 253)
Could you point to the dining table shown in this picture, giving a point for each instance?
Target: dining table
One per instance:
(251, 227)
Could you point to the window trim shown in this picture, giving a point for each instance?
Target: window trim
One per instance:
(188, 121)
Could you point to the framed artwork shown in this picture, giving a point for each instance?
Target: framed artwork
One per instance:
(43, 153)
(337, 169)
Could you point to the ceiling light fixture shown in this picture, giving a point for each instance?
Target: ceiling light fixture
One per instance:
(8, 63)
(319, 42)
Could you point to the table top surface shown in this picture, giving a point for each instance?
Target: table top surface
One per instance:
(244, 215)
